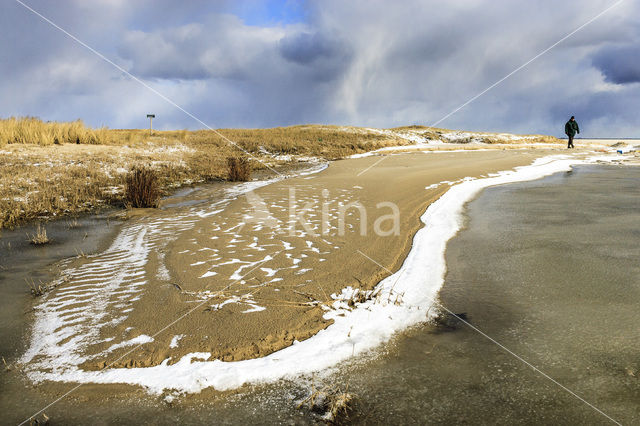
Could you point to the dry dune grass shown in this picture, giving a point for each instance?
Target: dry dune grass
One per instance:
(50, 169)
(323, 141)
(41, 182)
(30, 130)
(31, 189)
(332, 404)
(40, 237)
(328, 142)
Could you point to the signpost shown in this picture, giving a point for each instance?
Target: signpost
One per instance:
(151, 117)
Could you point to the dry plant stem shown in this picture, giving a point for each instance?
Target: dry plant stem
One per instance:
(330, 402)
(40, 237)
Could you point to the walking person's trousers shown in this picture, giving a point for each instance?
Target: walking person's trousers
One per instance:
(570, 145)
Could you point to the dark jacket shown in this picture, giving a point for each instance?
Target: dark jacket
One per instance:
(571, 128)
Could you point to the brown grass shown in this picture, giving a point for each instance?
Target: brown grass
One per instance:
(37, 289)
(239, 169)
(73, 224)
(51, 169)
(38, 184)
(7, 367)
(142, 188)
(40, 237)
(328, 142)
(43, 420)
(330, 402)
(40, 179)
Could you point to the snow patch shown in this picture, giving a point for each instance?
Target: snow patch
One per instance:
(175, 340)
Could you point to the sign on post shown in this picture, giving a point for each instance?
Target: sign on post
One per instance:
(151, 117)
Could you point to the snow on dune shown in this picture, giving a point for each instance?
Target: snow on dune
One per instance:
(423, 137)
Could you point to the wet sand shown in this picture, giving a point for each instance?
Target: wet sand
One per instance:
(245, 287)
(141, 293)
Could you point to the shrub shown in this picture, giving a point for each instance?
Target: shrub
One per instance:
(141, 187)
(239, 169)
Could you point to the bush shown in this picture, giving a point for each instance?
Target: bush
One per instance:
(239, 169)
(141, 187)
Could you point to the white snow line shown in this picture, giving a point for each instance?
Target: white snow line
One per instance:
(354, 331)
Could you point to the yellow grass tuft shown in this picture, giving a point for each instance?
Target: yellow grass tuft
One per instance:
(40, 237)
(73, 224)
(31, 130)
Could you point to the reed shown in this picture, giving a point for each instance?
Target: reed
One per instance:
(32, 130)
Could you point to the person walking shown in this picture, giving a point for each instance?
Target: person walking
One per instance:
(571, 128)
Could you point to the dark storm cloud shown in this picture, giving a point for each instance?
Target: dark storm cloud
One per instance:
(373, 63)
(304, 48)
(320, 57)
(223, 47)
(619, 64)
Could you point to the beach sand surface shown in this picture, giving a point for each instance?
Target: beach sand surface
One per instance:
(240, 277)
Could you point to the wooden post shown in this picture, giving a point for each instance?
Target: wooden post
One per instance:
(151, 117)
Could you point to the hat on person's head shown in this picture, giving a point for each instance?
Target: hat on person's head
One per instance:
(572, 117)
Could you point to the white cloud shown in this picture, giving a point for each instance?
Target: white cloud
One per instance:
(373, 63)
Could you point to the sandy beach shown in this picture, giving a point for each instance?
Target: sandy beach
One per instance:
(257, 286)
(222, 287)
(305, 212)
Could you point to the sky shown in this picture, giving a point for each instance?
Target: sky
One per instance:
(250, 63)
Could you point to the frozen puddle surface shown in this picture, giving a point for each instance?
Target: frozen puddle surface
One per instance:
(199, 258)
